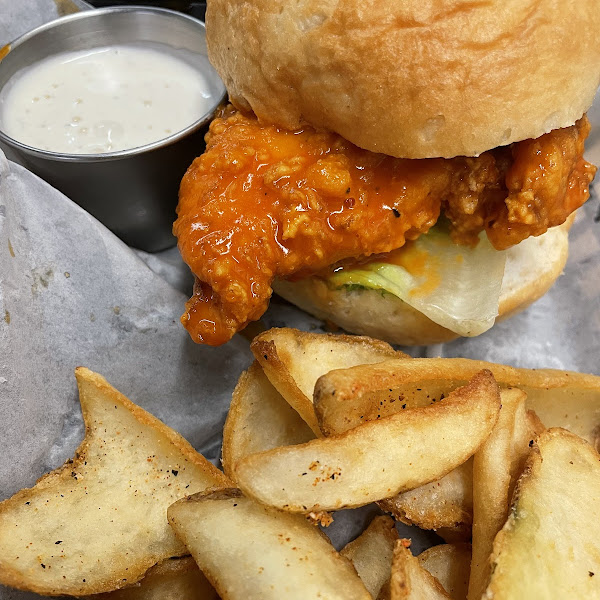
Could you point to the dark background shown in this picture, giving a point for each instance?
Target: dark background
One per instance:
(196, 9)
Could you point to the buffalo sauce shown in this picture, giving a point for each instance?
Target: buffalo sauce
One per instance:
(263, 202)
(420, 264)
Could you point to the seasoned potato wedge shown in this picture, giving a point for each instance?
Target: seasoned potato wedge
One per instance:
(447, 502)
(293, 360)
(550, 544)
(371, 553)
(377, 459)
(345, 398)
(491, 484)
(259, 419)
(172, 579)
(411, 581)
(446, 505)
(450, 565)
(99, 522)
(249, 551)
(527, 428)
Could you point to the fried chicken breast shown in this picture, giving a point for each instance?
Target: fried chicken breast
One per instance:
(264, 202)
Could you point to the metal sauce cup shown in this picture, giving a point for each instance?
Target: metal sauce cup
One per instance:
(133, 192)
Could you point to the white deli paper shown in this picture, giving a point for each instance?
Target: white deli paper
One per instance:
(19, 16)
(72, 294)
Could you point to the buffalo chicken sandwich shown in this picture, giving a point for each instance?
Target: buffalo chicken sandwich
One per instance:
(406, 170)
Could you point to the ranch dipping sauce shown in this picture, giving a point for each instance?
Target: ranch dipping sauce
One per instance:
(103, 100)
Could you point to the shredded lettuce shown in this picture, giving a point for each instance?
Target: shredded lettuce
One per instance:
(455, 286)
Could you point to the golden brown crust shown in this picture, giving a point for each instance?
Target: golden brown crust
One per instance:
(88, 472)
(411, 79)
(281, 354)
(531, 269)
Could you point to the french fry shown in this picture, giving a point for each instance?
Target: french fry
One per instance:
(550, 544)
(491, 484)
(410, 581)
(259, 419)
(99, 522)
(377, 459)
(172, 579)
(371, 553)
(450, 565)
(249, 551)
(293, 361)
(445, 503)
(559, 398)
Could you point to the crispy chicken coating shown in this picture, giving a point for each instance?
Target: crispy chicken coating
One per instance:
(262, 203)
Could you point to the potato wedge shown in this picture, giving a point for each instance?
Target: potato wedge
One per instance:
(293, 360)
(172, 579)
(527, 428)
(249, 551)
(411, 581)
(447, 502)
(377, 459)
(371, 553)
(450, 565)
(345, 398)
(550, 544)
(259, 419)
(99, 522)
(491, 485)
(446, 505)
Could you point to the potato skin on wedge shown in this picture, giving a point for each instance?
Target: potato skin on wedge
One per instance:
(550, 545)
(293, 360)
(491, 485)
(559, 398)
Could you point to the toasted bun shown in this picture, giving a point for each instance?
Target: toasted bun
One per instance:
(412, 79)
(531, 269)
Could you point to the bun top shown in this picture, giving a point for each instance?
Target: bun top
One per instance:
(411, 78)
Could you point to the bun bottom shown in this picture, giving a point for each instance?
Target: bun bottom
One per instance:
(531, 268)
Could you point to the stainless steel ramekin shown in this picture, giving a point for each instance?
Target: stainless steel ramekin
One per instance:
(133, 192)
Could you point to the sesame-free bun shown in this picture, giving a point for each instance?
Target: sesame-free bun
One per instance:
(531, 268)
(413, 79)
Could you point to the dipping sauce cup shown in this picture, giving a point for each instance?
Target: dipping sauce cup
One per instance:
(133, 191)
